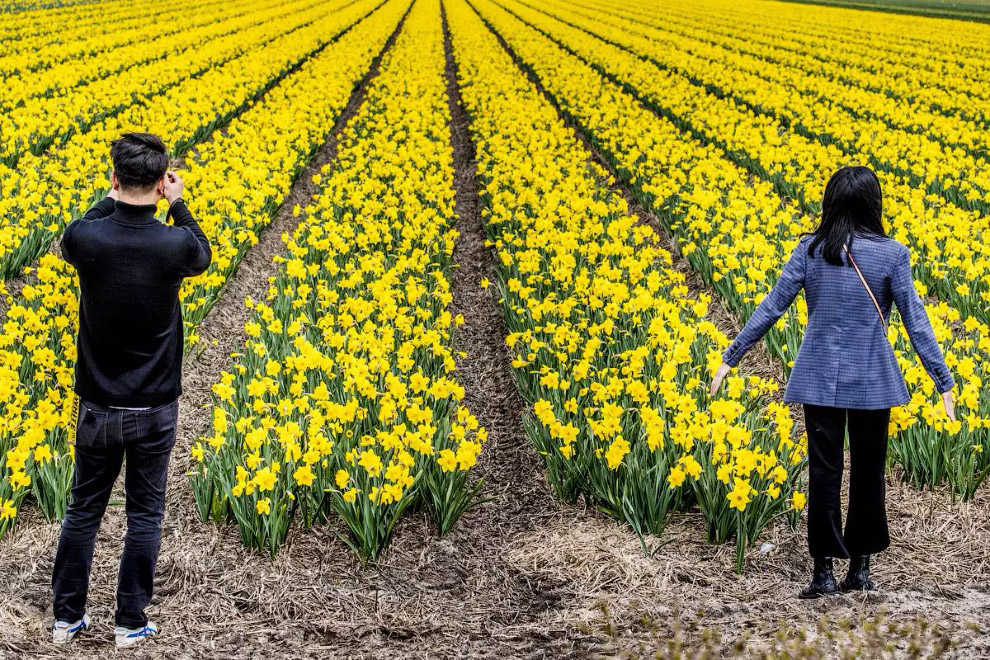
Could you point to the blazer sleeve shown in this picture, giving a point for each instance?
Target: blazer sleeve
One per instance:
(917, 325)
(773, 306)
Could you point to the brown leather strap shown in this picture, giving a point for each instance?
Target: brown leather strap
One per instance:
(868, 289)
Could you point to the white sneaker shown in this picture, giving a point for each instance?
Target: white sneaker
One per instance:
(64, 631)
(130, 636)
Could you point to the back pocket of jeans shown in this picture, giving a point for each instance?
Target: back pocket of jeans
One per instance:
(156, 427)
(91, 429)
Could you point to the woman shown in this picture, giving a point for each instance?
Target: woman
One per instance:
(846, 373)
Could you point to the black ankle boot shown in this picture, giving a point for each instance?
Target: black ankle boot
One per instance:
(822, 580)
(858, 577)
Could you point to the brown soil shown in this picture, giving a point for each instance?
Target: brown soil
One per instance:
(523, 576)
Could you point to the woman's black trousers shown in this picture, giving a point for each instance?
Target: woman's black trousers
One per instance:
(866, 519)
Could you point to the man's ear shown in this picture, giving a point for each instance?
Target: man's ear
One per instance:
(114, 184)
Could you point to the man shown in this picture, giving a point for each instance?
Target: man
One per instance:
(128, 370)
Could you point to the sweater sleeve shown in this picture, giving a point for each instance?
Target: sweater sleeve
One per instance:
(198, 254)
(101, 209)
(773, 306)
(916, 323)
(65, 243)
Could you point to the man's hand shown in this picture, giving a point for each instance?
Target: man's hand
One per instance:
(720, 374)
(948, 402)
(172, 190)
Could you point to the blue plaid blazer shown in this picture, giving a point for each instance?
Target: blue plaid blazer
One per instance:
(845, 359)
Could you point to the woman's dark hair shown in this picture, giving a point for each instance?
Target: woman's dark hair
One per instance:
(852, 204)
(139, 159)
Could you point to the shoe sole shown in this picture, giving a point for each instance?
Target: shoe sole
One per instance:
(845, 587)
(127, 645)
(127, 642)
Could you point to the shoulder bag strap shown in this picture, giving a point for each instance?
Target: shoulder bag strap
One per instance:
(867, 286)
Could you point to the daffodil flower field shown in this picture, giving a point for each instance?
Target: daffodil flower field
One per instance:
(345, 397)
(609, 348)
(639, 165)
(43, 192)
(283, 131)
(701, 192)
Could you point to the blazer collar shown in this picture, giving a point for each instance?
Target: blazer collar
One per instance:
(134, 214)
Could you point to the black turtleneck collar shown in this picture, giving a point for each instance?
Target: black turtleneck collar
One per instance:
(134, 214)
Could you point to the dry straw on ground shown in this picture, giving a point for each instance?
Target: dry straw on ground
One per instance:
(523, 576)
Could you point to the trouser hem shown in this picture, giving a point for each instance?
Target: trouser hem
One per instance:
(132, 624)
(69, 618)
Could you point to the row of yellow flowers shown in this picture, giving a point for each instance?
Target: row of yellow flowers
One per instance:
(611, 350)
(736, 231)
(923, 63)
(345, 398)
(31, 19)
(264, 150)
(934, 149)
(946, 239)
(864, 86)
(43, 107)
(43, 192)
(41, 51)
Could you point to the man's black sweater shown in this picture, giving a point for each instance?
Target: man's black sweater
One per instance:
(130, 268)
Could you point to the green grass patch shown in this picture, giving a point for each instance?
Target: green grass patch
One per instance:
(970, 10)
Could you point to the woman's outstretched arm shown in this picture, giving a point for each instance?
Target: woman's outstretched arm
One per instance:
(917, 325)
(766, 314)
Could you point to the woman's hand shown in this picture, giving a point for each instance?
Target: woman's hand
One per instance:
(948, 401)
(719, 376)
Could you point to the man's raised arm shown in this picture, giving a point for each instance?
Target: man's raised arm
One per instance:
(199, 255)
(102, 208)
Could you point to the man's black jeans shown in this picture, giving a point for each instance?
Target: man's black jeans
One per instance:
(866, 522)
(104, 438)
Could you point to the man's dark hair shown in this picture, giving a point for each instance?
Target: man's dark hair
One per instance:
(139, 159)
